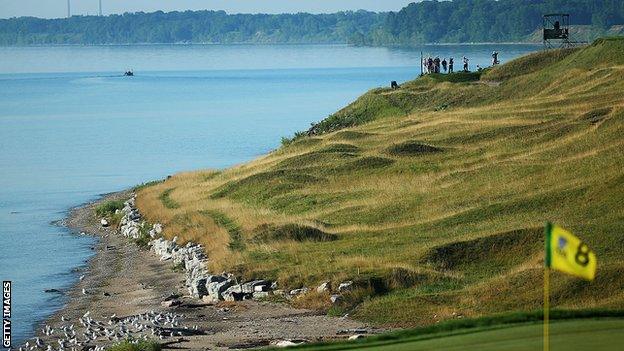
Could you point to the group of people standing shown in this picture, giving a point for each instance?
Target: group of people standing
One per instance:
(437, 65)
(434, 65)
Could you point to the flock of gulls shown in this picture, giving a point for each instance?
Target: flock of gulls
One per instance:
(89, 334)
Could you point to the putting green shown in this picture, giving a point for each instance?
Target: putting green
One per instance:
(582, 335)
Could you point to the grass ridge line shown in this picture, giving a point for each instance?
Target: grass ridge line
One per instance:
(167, 201)
(237, 242)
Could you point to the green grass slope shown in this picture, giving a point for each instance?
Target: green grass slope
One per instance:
(596, 335)
(432, 197)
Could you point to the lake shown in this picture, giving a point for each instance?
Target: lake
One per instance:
(72, 128)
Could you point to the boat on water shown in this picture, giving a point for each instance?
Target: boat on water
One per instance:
(129, 74)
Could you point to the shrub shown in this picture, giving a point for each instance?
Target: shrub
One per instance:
(144, 237)
(458, 77)
(268, 232)
(298, 135)
(108, 208)
(147, 185)
(412, 148)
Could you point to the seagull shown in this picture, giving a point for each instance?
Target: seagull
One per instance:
(84, 291)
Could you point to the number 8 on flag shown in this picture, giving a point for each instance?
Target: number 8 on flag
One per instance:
(567, 253)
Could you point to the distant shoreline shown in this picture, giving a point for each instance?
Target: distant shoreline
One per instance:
(267, 44)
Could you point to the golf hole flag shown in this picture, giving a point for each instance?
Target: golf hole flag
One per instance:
(567, 253)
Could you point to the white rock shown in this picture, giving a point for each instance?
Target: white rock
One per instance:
(260, 295)
(323, 287)
(158, 228)
(198, 288)
(335, 299)
(256, 285)
(261, 288)
(286, 343)
(235, 293)
(345, 286)
(104, 222)
(217, 288)
(296, 292)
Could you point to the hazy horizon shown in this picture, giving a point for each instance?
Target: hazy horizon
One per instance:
(58, 8)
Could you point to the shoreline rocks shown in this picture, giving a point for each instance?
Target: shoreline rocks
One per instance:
(201, 283)
(145, 284)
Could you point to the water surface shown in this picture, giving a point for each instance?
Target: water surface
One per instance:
(71, 127)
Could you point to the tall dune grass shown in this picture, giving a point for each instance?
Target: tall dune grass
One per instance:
(434, 168)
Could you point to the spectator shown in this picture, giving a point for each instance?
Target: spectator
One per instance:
(495, 58)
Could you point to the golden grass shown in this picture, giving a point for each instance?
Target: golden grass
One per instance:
(539, 147)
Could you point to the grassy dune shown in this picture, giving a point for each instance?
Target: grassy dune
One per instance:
(432, 198)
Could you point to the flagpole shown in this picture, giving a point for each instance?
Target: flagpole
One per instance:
(546, 307)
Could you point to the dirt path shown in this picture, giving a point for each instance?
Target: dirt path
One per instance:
(122, 280)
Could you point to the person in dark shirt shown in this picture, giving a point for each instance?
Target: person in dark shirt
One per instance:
(451, 62)
(495, 58)
(444, 65)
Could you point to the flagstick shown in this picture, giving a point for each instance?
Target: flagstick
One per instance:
(546, 307)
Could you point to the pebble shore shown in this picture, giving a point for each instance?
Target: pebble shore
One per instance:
(131, 293)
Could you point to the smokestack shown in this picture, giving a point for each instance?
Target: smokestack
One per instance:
(68, 9)
(100, 8)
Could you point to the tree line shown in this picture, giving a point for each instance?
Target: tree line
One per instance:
(464, 21)
(429, 21)
(189, 27)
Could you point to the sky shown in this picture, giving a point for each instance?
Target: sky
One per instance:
(58, 8)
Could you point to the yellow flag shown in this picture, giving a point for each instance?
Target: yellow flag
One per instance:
(567, 253)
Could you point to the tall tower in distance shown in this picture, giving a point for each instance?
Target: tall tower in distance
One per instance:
(68, 8)
(100, 12)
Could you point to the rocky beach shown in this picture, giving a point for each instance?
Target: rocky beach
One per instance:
(164, 293)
